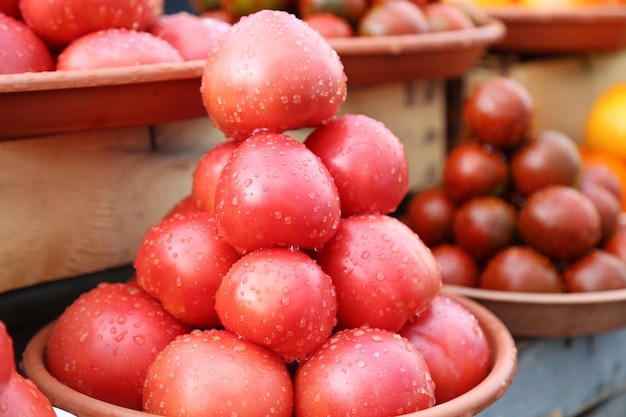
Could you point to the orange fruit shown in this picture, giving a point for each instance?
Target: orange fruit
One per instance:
(605, 125)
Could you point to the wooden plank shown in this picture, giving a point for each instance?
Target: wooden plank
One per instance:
(77, 203)
(564, 377)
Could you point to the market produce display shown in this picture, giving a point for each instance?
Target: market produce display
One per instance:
(519, 210)
(139, 33)
(278, 267)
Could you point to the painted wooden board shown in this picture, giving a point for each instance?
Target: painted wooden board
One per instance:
(564, 377)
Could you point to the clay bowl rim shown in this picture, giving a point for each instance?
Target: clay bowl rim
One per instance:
(488, 391)
(491, 32)
(101, 77)
(583, 14)
(552, 299)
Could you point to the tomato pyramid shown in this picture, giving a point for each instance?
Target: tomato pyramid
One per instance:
(285, 259)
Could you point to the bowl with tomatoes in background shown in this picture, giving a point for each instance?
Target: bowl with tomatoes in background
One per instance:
(523, 223)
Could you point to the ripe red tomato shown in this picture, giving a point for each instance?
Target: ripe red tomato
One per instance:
(453, 344)
(214, 372)
(272, 72)
(21, 398)
(363, 372)
(192, 35)
(116, 48)
(187, 204)
(181, 261)
(207, 173)
(21, 50)
(278, 298)
(10, 8)
(275, 192)
(367, 162)
(103, 343)
(60, 22)
(329, 25)
(384, 274)
(7, 356)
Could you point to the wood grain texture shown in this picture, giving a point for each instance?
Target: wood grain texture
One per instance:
(77, 203)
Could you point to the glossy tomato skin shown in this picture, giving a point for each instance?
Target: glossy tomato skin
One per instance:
(181, 261)
(275, 192)
(383, 272)
(250, 82)
(103, 343)
(278, 298)
(363, 372)
(366, 160)
(60, 22)
(330, 25)
(214, 372)
(453, 344)
(7, 356)
(207, 173)
(21, 50)
(22, 398)
(116, 48)
(192, 35)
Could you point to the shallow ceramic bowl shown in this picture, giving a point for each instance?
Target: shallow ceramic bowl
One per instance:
(534, 315)
(581, 29)
(373, 60)
(493, 387)
(66, 101)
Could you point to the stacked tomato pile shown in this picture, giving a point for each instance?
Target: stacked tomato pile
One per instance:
(521, 211)
(346, 18)
(40, 35)
(281, 286)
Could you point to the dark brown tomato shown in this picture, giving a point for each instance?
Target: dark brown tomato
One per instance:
(616, 243)
(398, 17)
(561, 222)
(430, 214)
(350, 10)
(330, 25)
(458, 267)
(548, 158)
(596, 271)
(472, 169)
(445, 16)
(608, 206)
(521, 268)
(484, 226)
(499, 111)
(603, 176)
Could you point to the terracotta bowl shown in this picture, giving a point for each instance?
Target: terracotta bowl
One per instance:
(581, 29)
(552, 315)
(441, 55)
(67, 101)
(493, 387)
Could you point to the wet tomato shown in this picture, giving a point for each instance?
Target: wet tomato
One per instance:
(103, 343)
(363, 371)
